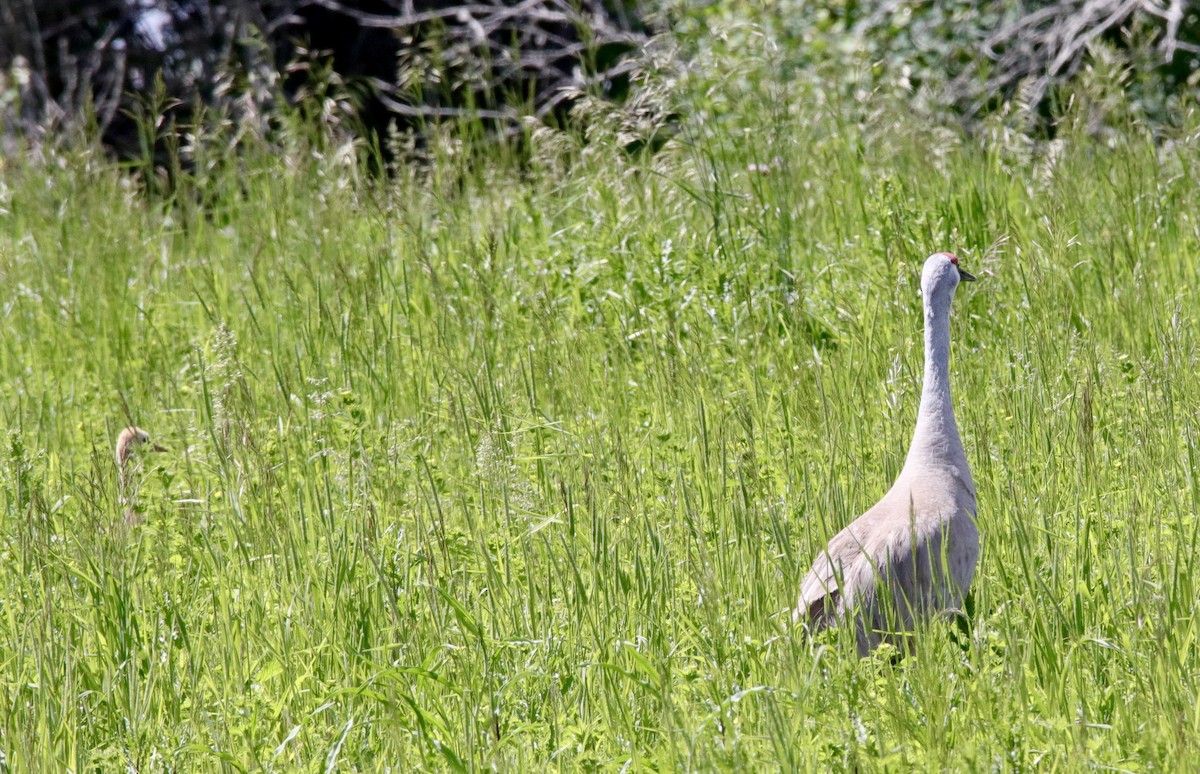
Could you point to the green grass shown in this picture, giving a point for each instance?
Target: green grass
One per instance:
(520, 468)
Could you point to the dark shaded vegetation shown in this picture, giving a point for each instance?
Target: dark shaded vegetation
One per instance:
(967, 60)
(129, 71)
(401, 63)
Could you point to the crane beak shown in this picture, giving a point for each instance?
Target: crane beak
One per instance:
(158, 448)
(965, 276)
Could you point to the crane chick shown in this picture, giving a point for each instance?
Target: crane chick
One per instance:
(130, 440)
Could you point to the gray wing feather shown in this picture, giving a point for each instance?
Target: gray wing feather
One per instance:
(830, 586)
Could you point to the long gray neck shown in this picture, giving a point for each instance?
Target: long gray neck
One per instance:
(935, 439)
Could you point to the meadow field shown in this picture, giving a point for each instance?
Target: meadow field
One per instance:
(513, 460)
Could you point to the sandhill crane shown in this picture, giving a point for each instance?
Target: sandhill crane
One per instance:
(914, 552)
(128, 442)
